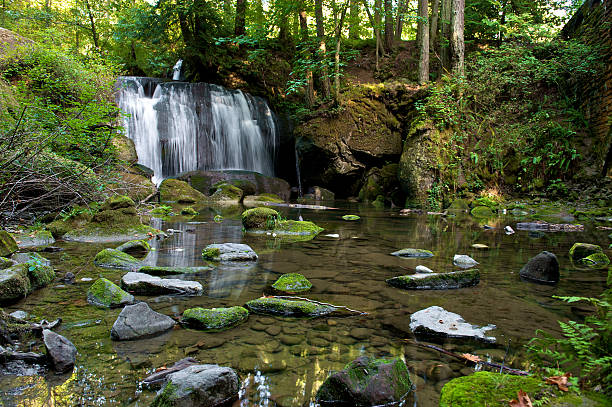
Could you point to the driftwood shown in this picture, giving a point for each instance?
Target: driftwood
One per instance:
(161, 374)
(493, 365)
(29, 357)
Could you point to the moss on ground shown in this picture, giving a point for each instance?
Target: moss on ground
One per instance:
(211, 253)
(214, 318)
(113, 258)
(105, 293)
(292, 283)
(278, 306)
(260, 218)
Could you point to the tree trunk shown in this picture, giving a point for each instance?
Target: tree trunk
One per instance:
(457, 46)
(94, 34)
(433, 25)
(239, 25)
(402, 6)
(423, 29)
(377, 24)
(388, 25)
(184, 25)
(325, 83)
(309, 93)
(337, 55)
(354, 10)
(373, 24)
(445, 37)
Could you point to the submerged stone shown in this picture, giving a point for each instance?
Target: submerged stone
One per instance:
(292, 283)
(482, 212)
(135, 247)
(214, 318)
(260, 218)
(139, 321)
(8, 245)
(61, 352)
(480, 246)
(366, 382)
(168, 270)
(116, 259)
(437, 281)
(296, 308)
(412, 253)
(437, 322)
(105, 293)
(464, 261)
(229, 252)
(141, 283)
(351, 217)
(595, 260)
(582, 250)
(543, 268)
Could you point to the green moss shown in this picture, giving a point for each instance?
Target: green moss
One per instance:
(139, 246)
(211, 253)
(351, 217)
(226, 192)
(437, 281)
(379, 202)
(297, 227)
(189, 211)
(218, 218)
(162, 210)
(40, 275)
(487, 389)
(482, 212)
(8, 245)
(595, 260)
(117, 202)
(5, 263)
(14, 282)
(277, 306)
(413, 253)
(460, 205)
(113, 258)
(167, 397)
(173, 190)
(263, 198)
(582, 250)
(260, 218)
(214, 318)
(105, 293)
(292, 283)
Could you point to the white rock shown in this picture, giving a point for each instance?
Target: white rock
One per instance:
(509, 230)
(423, 269)
(464, 261)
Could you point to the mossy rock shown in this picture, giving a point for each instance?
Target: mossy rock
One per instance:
(595, 260)
(215, 318)
(437, 281)
(8, 245)
(410, 253)
(33, 238)
(487, 389)
(6, 263)
(211, 253)
(482, 212)
(40, 275)
(258, 199)
(60, 227)
(379, 202)
(351, 217)
(294, 308)
(115, 259)
(138, 247)
(224, 192)
(117, 202)
(14, 283)
(218, 218)
(104, 293)
(30, 257)
(260, 218)
(297, 228)
(171, 270)
(292, 283)
(459, 204)
(173, 190)
(581, 250)
(189, 211)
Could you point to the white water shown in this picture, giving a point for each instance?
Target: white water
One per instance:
(180, 127)
(176, 71)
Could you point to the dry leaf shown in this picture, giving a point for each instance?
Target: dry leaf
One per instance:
(560, 381)
(159, 369)
(471, 358)
(522, 400)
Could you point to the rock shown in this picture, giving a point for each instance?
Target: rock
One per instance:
(459, 205)
(6, 263)
(437, 281)
(541, 226)
(173, 190)
(582, 250)
(224, 193)
(366, 382)
(257, 200)
(61, 352)
(19, 314)
(321, 194)
(351, 217)
(69, 277)
(189, 211)
(260, 218)
(115, 259)
(14, 283)
(543, 268)
(508, 230)
(139, 321)
(229, 252)
(482, 212)
(437, 322)
(380, 182)
(595, 260)
(8, 245)
(199, 385)
(141, 283)
(423, 269)
(480, 246)
(215, 318)
(30, 257)
(105, 293)
(292, 283)
(34, 238)
(412, 253)
(464, 261)
(164, 271)
(160, 376)
(294, 308)
(138, 248)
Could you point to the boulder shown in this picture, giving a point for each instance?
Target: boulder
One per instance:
(199, 385)
(116, 259)
(105, 293)
(543, 268)
(215, 318)
(77, 218)
(6, 263)
(260, 218)
(34, 238)
(224, 193)
(60, 351)
(459, 205)
(161, 375)
(437, 281)
(189, 211)
(265, 219)
(366, 382)
(464, 261)
(292, 283)
(138, 248)
(436, 322)
(169, 270)
(174, 190)
(413, 253)
(294, 308)
(481, 212)
(40, 275)
(14, 283)
(30, 257)
(8, 245)
(139, 321)
(255, 200)
(596, 260)
(380, 182)
(582, 250)
(140, 283)
(321, 194)
(229, 252)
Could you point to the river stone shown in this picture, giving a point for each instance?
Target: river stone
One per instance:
(543, 268)
(581, 250)
(295, 308)
(199, 385)
(423, 269)
(292, 283)
(214, 318)
(8, 245)
(412, 253)
(596, 260)
(116, 259)
(30, 257)
(138, 247)
(229, 252)
(105, 293)
(437, 281)
(366, 382)
(260, 218)
(464, 261)
(480, 246)
(160, 376)
(437, 322)
(139, 321)
(14, 283)
(6, 263)
(163, 271)
(61, 352)
(141, 283)
(34, 238)
(482, 212)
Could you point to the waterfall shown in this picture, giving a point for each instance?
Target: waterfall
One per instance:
(176, 71)
(179, 127)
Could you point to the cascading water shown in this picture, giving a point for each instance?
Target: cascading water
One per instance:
(176, 71)
(179, 127)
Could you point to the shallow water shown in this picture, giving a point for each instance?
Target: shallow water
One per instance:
(282, 361)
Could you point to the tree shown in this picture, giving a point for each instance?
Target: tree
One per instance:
(457, 46)
(309, 92)
(324, 77)
(423, 37)
(445, 37)
(402, 6)
(388, 25)
(433, 25)
(355, 8)
(240, 24)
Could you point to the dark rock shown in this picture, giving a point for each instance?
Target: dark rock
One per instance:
(543, 268)
(582, 250)
(159, 377)
(437, 281)
(69, 277)
(139, 321)
(61, 352)
(436, 322)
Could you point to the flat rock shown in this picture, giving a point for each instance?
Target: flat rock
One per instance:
(61, 352)
(297, 308)
(543, 268)
(229, 252)
(105, 293)
(116, 259)
(170, 270)
(437, 322)
(216, 319)
(464, 261)
(139, 321)
(141, 283)
(34, 239)
(412, 253)
(30, 257)
(423, 269)
(437, 281)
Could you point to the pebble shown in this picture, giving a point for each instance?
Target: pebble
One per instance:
(509, 230)
(360, 333)
(86, 279)
(319, 342)
(290, 339)
(332, 235)
(480, 246)
(273, 330)
(423, 269)
(258, 327)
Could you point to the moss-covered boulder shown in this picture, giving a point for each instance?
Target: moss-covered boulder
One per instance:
(581, 250)
(8, 245)
(139, 247)
(366, 382)
(294, 308)
(6, 263)
(173, 190)
(170, 270)
(437, 281)
(350, 217)
(40, 275)
(189, 211)
(419, 158)
(487, 389)
(254, 200)
(322, 194)
(265, 219)
(33, 238)
(482, 212)
(260, 218)
(410, 252)
(30, 257)
(226, 193)
(229, 252)
(215, 318)
(292, 283)
(104, 293)
(297, 228)
(117, 202)
(595, 260)
(14, 283)
(459, 205)
(115, 259)
(78, 218)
